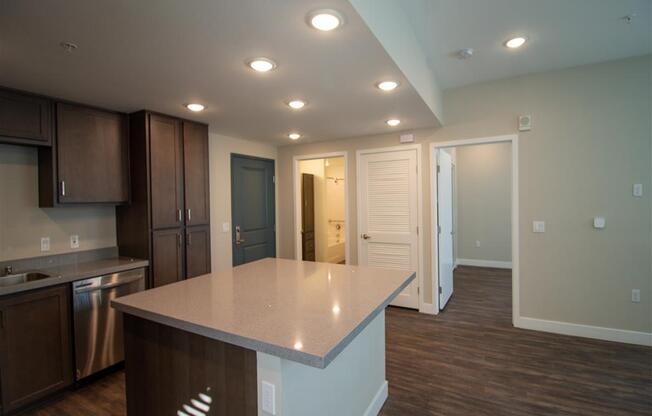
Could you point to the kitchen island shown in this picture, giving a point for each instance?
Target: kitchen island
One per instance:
(273, 337)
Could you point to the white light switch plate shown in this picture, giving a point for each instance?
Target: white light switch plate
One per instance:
(269, 398)
(636, 295)
(538, 226)
(226, 227)
(74, 241)
(638, 190)
(45, 243)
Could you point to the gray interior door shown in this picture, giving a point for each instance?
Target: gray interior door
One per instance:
(252, 208)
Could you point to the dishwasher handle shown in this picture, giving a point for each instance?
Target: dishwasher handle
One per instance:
(89, 287)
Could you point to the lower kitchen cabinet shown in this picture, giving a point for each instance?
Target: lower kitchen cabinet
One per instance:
(198, 251)
(167, 256)
(35, 347)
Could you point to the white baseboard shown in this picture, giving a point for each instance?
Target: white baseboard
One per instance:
(484, 263)
(586, 331)
(428, 308)
(378, 401)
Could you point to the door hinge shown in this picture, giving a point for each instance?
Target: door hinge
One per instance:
(417, 230)
(273, 179)
(439, 229)
(418, 290)
(438, 169)
(440, 290)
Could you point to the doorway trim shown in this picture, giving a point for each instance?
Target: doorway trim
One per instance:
(296, 195)
(424, 307)
(513, 139)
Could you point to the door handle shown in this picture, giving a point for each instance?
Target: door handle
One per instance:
(365, 236)
(179, 215)
(238, 238)
(189, 214)
(63, 188)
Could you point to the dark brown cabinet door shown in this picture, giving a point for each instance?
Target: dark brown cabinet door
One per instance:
(167, 257)
(25, 119)
(35, 349)
(166, 164)
(198, 251)
(308, 217)
(92, 155)
(195, 157)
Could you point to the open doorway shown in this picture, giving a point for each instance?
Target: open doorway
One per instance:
(321, 214)
(475, 209)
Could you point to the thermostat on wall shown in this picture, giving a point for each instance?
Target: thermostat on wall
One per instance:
(525, 123)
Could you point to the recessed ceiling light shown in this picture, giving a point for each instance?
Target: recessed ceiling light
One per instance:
(262, 64)
(393, 122)
(325, 19)
(294, 136)
(297, 104)
(387, 85)
(516, 42)
(195, 107)
(465, 53)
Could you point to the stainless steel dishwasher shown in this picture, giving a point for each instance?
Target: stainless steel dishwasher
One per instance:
(97, 326)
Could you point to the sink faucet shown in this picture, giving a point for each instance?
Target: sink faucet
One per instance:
(8, 270)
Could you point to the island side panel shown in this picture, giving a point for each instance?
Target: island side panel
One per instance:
(353, 384)
(166, 368)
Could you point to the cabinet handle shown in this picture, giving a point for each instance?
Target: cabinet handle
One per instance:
(189, 214)
(179, 215)
(63, 188)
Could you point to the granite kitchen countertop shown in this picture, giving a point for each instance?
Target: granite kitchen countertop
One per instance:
(301, 311)
(76, 271)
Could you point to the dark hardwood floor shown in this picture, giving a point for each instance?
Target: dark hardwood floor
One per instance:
(469, 360)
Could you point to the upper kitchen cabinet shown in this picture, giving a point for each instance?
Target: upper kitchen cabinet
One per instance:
(89, 160)
(195, 161)
(25, 119)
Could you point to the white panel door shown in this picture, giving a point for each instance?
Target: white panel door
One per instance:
(445, 231)
(387, 215)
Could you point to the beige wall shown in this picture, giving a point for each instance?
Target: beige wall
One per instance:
(23, 223)
(483, 208)
(591, 140)
(220, 150)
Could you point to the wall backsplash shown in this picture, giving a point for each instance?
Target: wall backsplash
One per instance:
(23, 223)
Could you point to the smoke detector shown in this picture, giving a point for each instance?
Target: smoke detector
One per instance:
(68, 46)
(465, 53)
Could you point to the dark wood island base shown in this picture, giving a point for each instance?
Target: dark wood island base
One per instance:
(167, 368)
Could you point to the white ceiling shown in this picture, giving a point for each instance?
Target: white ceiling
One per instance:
(160, 54)
(562, 33)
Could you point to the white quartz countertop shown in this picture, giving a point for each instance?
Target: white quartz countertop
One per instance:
(302, 311)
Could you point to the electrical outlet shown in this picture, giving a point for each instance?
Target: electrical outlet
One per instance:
(539, 226)
(269, 398)
(74, 241)
(45, 243)
(477, 243)
(636, 295)
(638, 190)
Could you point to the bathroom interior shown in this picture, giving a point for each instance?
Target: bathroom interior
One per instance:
(323, 210)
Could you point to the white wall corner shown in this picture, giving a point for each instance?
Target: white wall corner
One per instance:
(378, 401)
(585, 331)
(428, 308)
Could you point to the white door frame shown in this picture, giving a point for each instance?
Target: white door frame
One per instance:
(513, 139)
(296, 179)
(423, 306)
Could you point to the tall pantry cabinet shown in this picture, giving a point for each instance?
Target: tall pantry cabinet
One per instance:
(168, 221)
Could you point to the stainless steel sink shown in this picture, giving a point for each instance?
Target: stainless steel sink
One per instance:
(16, 279)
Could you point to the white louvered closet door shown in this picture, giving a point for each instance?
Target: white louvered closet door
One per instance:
(387, 215)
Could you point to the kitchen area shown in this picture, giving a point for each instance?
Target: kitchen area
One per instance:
(96, 204)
